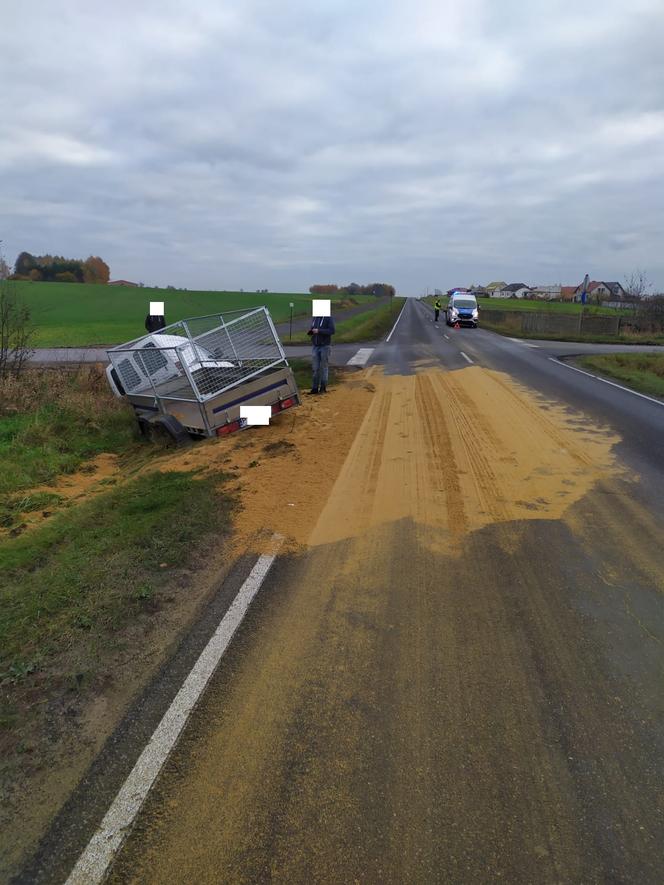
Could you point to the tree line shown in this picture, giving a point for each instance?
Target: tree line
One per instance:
(377, 289)
(57, 269)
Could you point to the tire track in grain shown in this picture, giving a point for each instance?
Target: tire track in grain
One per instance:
(440, 453)
(476, 444)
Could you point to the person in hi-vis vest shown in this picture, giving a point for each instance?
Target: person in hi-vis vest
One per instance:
(436, 308)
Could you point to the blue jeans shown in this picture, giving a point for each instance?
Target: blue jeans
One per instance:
(319, 365)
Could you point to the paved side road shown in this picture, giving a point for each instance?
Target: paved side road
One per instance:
(53, 356)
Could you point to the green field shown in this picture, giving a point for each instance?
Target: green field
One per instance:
(540, 306)
(76, 314)
(370, 326)
(642, 371)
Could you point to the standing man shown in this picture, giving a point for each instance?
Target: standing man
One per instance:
(155, 320)
(436, 308)
(321, 331)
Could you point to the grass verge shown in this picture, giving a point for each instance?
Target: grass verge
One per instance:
(51, 421)
(98, 574)
(301, 367)
(76, 580)
(646, 338)
(641, 371)
(369, 326)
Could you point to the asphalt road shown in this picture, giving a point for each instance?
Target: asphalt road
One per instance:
(460, 680)
(56, 356)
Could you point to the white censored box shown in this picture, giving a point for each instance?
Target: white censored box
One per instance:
(156, 308)
(321, 307)
(256, 414)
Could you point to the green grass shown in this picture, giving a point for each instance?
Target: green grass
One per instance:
(53, 421)
(369, 326)
(647, 338)
(568, 307)
(94, 567)
(73, 314)
(302, 370)
(642, 371)
(13, 506)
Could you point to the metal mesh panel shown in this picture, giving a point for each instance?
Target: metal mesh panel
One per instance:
(150, 370)
(245, 345)
(199, 357)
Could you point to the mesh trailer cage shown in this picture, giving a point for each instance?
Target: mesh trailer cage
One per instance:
(198, 358)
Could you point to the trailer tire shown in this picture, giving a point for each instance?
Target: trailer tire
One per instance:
(165, 430)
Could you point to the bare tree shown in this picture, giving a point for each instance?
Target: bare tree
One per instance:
(16, 330)
(637, 285)
(651, 314)
(5, 269)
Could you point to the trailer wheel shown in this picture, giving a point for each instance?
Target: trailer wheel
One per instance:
(165, 430)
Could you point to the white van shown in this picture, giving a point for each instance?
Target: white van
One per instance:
(462, 308)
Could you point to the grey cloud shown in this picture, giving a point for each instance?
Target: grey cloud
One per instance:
(255, 144)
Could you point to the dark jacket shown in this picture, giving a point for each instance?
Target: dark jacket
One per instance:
(154, 322)
(324, 337)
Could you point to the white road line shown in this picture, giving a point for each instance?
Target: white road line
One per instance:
(361, 357)
(446, 336)
(523, 343)
(658, 402)
(387, 340)
(93, 864)
(465, 356)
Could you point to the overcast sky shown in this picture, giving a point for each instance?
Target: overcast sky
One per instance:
(433, 143)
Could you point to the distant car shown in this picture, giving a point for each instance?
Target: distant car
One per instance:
(462, 309)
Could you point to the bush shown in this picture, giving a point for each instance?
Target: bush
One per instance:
(16, 330)
(650, 314)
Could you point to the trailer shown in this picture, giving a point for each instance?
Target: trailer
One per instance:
(191, 378)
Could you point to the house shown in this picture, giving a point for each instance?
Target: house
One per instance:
(547, 293)
(496, 286)
(480, 292)
(122, 283)
(598, 290)
(616, 290)
(514, 290)
(567, 293)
